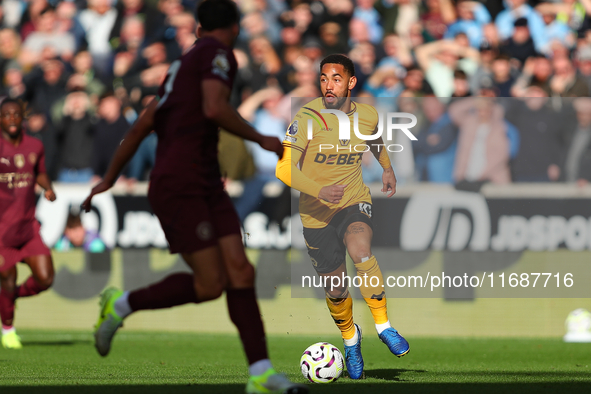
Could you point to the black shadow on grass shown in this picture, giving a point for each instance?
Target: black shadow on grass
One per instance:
(58, 343)
(389, 374)
(342, 387)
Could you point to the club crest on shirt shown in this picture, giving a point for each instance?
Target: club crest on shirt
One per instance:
(220, 65)
(32, 158)
(204, 231)
(19, 160)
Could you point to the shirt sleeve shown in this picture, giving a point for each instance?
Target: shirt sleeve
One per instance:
(295, 144)
(40, 165)
(481, 14)
(216, 63)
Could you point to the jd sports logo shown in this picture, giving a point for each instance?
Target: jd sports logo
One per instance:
(453, 221)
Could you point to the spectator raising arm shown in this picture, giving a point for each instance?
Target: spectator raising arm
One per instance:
(249, 106)
(427, 52)
(448, 13)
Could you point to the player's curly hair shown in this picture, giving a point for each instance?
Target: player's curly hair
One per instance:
(341, 59)
(217, 14)
(19, 102)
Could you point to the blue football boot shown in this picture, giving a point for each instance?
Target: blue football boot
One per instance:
(353, 358)
(396, 343)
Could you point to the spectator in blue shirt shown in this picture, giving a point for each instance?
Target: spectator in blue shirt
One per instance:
(261, 109)
(520, 9)
(435, 148)
(472, 17)
(370, 16)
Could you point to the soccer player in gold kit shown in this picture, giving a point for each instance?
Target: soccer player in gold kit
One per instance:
(335, 204)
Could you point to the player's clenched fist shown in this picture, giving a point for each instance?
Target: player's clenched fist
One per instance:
(101, 187)
(272, 144)
(332, 194)
(389, 182)
(50, 195)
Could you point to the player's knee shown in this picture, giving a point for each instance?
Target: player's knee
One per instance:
(8, 277)
(362, 255)
(242, 273)
(210, 287)
(7, 282)
(45, 279)
(336, 293)
(249, 273)
(8, 286)
(210, 292)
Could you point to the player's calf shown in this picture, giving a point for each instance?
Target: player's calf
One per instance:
(34, 286)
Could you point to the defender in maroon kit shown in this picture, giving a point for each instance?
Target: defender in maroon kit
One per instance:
(22, 165)
(187, 195)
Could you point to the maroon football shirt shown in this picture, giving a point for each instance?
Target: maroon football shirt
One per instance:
(19, 167)
(187, 141)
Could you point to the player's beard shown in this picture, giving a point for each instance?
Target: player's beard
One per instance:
(336, 104)
(13, 135)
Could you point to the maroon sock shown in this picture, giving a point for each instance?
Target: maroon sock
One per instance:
(244, 313)
(7, 307)
(174, 290)
(29, 288)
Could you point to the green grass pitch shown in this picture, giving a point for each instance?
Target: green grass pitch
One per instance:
(150, 363)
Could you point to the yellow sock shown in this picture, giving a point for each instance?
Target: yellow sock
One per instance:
(372, 290)
(341, 310)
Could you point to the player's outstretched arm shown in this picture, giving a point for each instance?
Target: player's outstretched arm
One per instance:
(125, 151)
(217, 108)
(388, 177)
(44, 181)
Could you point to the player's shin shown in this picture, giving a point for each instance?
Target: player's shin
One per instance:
(30, 288)
(177, 289)
(244, 313)
(7, 307)
(341, 310)
(372, 290)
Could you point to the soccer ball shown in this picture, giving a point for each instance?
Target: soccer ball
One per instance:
(322, 363)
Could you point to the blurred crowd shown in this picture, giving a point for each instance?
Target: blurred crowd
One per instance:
(88, 68)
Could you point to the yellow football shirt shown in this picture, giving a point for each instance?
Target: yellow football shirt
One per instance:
(325, 160)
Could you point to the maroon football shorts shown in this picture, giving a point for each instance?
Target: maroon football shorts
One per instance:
(192, 221)
(35, 246)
